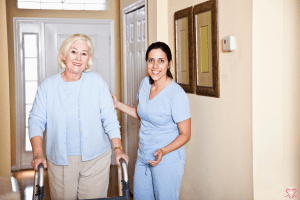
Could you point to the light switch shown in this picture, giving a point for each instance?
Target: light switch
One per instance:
(228, 43)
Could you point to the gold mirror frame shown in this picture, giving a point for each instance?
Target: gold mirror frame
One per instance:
(184, 60)
(210, 57)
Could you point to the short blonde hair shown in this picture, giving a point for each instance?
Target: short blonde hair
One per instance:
(66, 46)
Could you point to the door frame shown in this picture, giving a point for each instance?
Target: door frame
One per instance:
(19, 78)
(128, 9)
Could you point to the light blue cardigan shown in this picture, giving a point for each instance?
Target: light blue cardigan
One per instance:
(97, 117)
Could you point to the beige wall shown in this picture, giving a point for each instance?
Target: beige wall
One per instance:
(267, 99)
(5, 157)
(12, 11)
(291, 94)
(152, 21)
(276, 112)
(219, 154)
(158, 21)
(245, 145)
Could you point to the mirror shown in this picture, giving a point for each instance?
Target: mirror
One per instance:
(184, 61)
(206, 48)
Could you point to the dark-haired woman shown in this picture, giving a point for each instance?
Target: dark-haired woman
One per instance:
(165, 127)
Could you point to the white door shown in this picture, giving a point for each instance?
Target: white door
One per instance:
(49, 35)
(136, 70)
(56, 33)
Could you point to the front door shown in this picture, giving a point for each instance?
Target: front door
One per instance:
(36, 48)
(56, 33)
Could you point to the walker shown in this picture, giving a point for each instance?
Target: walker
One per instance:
(38, 191)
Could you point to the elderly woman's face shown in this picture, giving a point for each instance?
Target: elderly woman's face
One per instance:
(77, 58)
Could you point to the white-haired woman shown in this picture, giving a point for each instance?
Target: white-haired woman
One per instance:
(77, 109)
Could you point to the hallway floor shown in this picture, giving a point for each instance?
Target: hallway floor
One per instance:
(25, 180)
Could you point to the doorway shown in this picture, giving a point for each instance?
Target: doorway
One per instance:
(37, 42)
(134, 70)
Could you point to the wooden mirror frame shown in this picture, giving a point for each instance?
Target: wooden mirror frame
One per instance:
(211, 5)
(187, 12)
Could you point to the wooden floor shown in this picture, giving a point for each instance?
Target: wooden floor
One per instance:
(25, 180)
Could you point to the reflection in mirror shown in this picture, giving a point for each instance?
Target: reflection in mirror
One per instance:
(182, 58)
(203, 49)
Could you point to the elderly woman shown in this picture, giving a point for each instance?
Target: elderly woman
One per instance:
(79, 114)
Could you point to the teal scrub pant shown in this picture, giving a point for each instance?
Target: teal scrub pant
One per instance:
(161, 182)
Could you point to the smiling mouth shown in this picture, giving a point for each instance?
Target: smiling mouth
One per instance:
(77, 64)
(155, 72)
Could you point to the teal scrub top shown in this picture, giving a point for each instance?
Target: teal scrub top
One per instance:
(159, 117)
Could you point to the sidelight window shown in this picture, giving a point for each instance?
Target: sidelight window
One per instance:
(63, 4)
(30, 60)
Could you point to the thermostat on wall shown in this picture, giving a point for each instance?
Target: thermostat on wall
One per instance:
(229, 43)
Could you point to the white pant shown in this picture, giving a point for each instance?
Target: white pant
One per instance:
(80, 179)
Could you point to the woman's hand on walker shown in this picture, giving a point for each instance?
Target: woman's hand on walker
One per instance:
(120, 154)
(37, 160)
(159, 154)
(115, 100)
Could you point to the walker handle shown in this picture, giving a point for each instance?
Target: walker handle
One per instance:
(124, 182)
(125, 170)
(38, 190)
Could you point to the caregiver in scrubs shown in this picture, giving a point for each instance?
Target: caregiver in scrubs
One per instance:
(165, 127)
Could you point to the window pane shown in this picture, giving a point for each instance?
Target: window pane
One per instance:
(29, 5)
(68, 6)
(103, 2)
(28, 0)
(30, 45)
(30, 69)
(52, 1)
(95, 7)
(28, 109)
(87, 1)
(54, 6)
(30, 91)
(27, 142)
